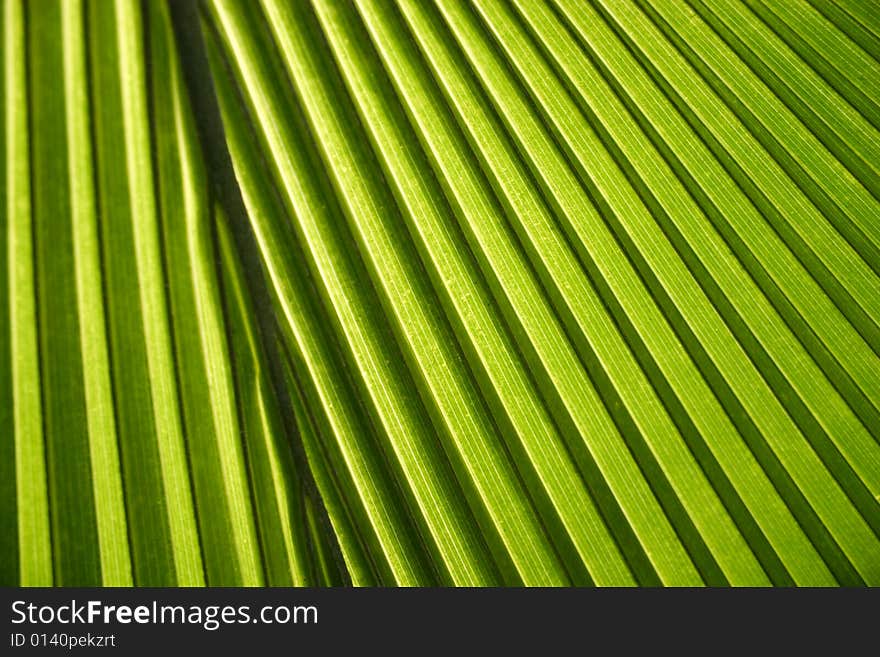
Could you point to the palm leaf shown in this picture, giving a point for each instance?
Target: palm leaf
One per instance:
(450, 293)
(137, 398)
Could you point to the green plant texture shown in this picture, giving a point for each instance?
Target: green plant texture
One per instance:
(440, 293)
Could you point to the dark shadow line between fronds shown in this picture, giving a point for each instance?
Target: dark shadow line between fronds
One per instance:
(224, 187)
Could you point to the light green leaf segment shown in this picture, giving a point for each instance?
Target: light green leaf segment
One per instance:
(145, 441)
(547, 293)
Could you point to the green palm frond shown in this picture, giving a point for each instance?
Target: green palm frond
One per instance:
(527, 292)
(148, 444)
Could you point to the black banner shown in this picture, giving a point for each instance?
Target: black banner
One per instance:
(417, 621)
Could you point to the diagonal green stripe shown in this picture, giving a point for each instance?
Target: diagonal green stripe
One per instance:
(369, 494)
(8, 503)
(101, 423)
(34, 542)
(163, 385)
